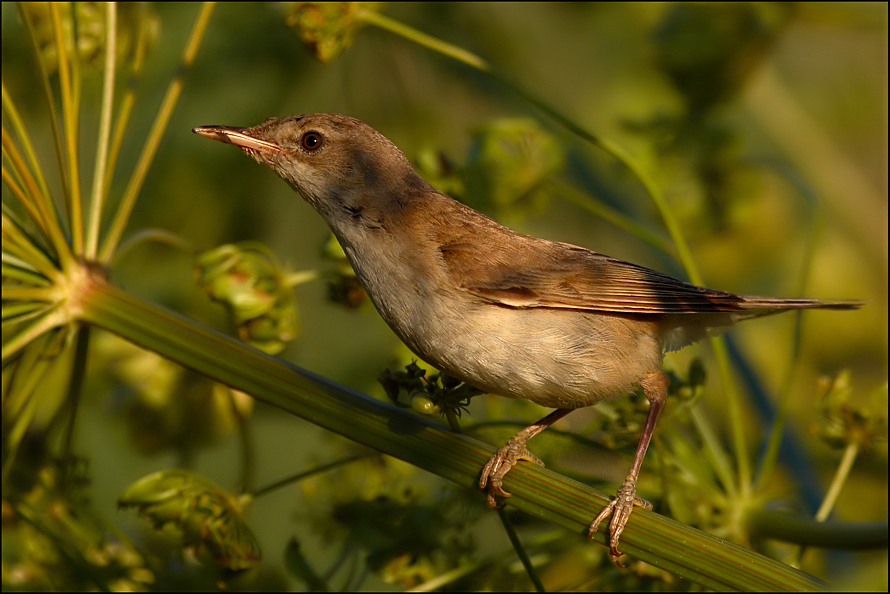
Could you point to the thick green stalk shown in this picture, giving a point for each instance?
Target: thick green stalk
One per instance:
(678, 549)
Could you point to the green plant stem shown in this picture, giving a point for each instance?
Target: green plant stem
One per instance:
(32, 259)
(23, 186)
(715, 453)
(53, 229)
(834, 491)
(520, 550)
(49, 320)
(453, 421)
(99, 179)
(128, 98)
(679, 549)
(70, 120)
(372, 17)
(35, 202)
(11, 114)
(733, 415)
(837, 483)
(783, 526)
(18, 405)
(122, 215)
(72, 399)
(774, 441)
(441, 581)
(609, 214)
(309, 473)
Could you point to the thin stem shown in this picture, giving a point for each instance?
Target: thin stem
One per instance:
(442, 580)
(317, 470)
(520, 550)
(11, 114)
(245, 435)
(834, 490)
(611, 215)
(786, 527)
(129, 97)
(21, 406)
(453, 421)
(734, 415)
(99, 180)
(54, 222)
(714, 451)
(69, 124)
(18, 404)
(302, 276)
(49, 322)
(160, 236)
(774, 441)
(774, 444)
(119, 221)
(837, 483)
(20, 271)
(373, 17)
(74, 389)
(24, 186)
(17, 242)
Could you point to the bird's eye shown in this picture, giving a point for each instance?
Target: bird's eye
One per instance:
(312, 141)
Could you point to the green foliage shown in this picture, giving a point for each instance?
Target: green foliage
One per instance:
(435, 395)
(508, 163)
(165, 407)
(210, 520)
(247, 280)
(53, 539)
(710, 49)
(845, 423)
(327, 28)
(88, 18)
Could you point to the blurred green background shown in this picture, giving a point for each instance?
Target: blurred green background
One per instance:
(765, 126)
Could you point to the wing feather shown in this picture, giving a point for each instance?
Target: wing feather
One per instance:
(560, 275)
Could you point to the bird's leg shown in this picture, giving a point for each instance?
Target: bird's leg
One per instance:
(655, 388)
(512, 452)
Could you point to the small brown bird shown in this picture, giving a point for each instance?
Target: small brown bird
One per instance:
(508, 313)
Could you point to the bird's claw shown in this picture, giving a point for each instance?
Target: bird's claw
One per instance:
(620, 509)
(499, 465)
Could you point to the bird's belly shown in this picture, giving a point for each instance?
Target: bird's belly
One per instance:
(557, 358)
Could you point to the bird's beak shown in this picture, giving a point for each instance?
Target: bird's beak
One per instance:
(239, 137)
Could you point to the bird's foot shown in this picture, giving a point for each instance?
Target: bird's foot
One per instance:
(500, 464)
(620, 509)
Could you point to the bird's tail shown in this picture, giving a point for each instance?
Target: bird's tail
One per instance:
(776, 304)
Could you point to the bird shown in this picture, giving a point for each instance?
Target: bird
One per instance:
(507, 313)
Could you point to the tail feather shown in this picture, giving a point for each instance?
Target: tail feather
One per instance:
(684, 331)
(780, 304)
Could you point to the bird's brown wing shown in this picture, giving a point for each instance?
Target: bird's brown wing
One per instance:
(515, 270)
(559, 275)
(540, 273)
